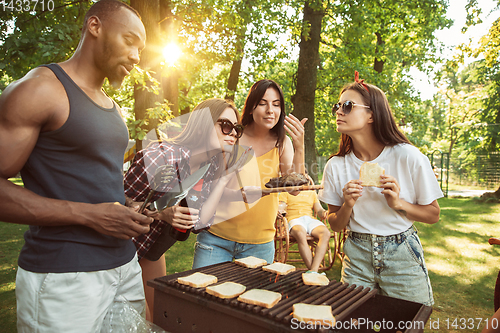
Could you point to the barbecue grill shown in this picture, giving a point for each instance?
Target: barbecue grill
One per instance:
(180, 308)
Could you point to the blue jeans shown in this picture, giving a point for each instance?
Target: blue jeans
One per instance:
(392, 264)
(210, 249)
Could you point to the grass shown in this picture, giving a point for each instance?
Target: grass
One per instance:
(462, 265)
(11, 241)
(461, 187)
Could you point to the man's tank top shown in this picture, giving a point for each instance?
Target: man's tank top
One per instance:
(253, 224)
(82, 162)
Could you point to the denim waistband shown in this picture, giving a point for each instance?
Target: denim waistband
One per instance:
(398, 237)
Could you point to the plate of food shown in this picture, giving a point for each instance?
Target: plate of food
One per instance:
(289, 183)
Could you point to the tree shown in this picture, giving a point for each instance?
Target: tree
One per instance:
(150, 61)
(382, 39)
(304, 97)
(31, 38)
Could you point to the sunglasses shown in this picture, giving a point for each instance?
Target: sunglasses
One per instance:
(346, 107)
(227, 128)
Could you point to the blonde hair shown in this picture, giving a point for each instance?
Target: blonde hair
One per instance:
(201, 121)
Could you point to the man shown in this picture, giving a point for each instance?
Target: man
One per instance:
(67, 138)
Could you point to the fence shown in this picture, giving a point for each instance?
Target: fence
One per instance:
(483, 170)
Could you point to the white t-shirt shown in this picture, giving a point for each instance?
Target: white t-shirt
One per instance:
(371, 214)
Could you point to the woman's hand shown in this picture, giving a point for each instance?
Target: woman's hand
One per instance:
(179, 217)
(295, 128)
(391, 191)
(242, 160)
(252, 193)
(352, 191)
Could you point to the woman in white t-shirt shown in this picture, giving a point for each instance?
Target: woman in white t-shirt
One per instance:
(382, 250)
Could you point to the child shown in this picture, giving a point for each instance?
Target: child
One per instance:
(302, 223)
(382, 250)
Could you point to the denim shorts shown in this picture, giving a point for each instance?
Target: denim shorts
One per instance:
(392, 264)
(211, 249)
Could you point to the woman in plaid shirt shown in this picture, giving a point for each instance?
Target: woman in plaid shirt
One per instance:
(208, 137)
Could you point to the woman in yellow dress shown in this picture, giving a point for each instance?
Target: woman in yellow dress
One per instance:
(251, 233)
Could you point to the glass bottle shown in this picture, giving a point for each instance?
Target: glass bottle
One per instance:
(192, 200)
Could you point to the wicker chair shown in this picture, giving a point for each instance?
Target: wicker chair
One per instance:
(283, 242)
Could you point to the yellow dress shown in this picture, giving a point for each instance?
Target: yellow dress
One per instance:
(250, 223)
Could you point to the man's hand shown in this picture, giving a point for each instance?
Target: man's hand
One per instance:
(114, 219)
(136, 205)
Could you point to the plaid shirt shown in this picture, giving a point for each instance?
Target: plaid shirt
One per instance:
(137, 185)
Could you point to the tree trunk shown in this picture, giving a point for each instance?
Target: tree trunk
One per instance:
(378, 65)
(304, 97)
(234, 75)
(149, 11)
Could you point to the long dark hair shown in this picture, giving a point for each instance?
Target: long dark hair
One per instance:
(255, 95)
(384, 126)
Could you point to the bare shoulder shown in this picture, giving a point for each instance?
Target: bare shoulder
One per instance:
(33, 98)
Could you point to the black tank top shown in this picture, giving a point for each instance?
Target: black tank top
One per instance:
(82, 162)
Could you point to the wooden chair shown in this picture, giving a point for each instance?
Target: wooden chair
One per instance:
(283, 242)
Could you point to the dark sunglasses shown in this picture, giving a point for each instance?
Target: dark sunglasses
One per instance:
(346, 107)
(227, 128)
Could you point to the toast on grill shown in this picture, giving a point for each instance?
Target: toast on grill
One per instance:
(251, 262)
(279, 268)
(197, 280)
(260, 297)
(314, 314)
(315, 279)
(370, 173)
(226, 290)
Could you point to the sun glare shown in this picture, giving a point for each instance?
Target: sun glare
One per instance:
(171, 53)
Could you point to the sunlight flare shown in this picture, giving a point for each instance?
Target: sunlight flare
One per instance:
(171, 53)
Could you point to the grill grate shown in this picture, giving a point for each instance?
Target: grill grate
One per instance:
(343, 298)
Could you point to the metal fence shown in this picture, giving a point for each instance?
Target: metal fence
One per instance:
(483, 170)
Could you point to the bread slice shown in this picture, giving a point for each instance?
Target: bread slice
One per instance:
(315, 279)
(197, 280)
(260, 297)
(279, 268)
(370, 173)
(226, 290)
(251, 262)
(314, 314)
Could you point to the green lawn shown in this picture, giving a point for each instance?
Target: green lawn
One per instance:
(462, 265)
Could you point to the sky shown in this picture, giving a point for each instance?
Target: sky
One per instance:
(453, 36)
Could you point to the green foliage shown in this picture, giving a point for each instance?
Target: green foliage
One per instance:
(28, 39)
(398, 35)
(214, 33)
